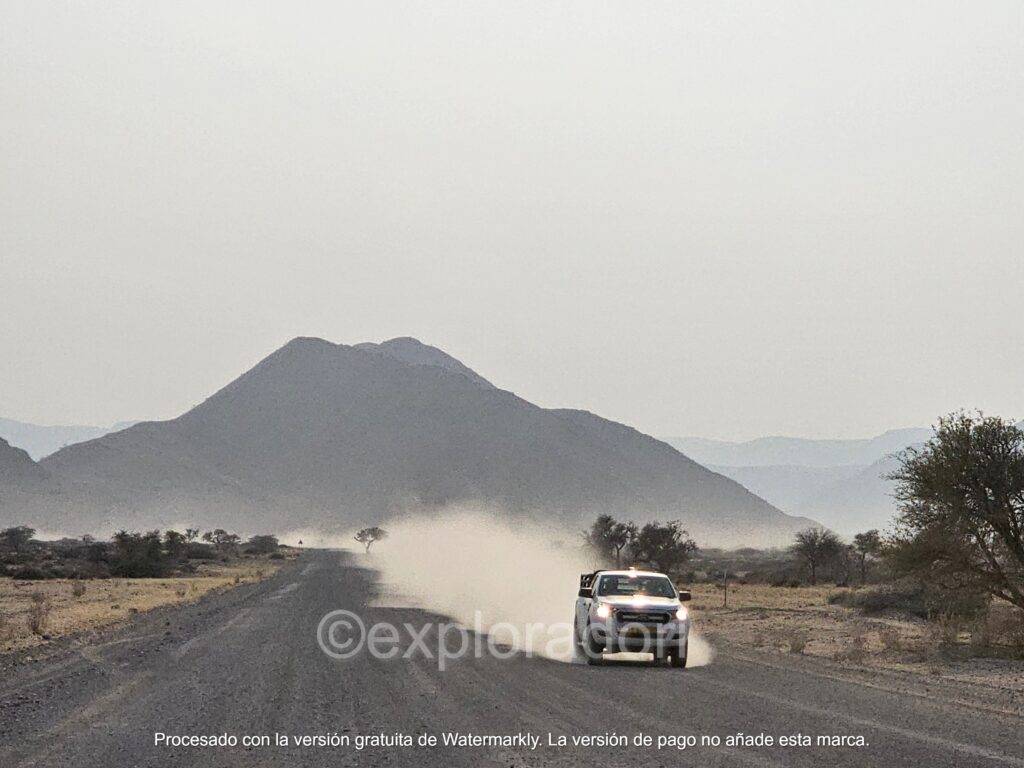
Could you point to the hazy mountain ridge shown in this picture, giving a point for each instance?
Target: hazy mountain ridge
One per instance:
(41, 440)
(331, 435)
(798, 451)
(847, 497)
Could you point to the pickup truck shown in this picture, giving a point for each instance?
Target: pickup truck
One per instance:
(634, 611)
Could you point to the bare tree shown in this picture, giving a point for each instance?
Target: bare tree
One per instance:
(816, 547)
(961, 506)
(367, 536)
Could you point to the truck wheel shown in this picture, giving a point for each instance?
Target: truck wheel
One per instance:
(593, 648)
(678, 660)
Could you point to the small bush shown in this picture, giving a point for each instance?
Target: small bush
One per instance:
(859, 648)
(198, 551)
(915, 598)
(797, 640)
(999, 629)
(78, 588)
(181, 591)
(891, 640)
(38, 614)
(277, 556)
(32, 573)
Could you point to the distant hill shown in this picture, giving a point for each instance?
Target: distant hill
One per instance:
(41, 440)
(849, 496)
(797, 451)
(331, 436)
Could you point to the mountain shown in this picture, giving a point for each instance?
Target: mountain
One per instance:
(17, 469)
(415, 352)
(849, 496)
(333, 436)
(789, 487)
(25, 487)
(796, 451)
(41, 441)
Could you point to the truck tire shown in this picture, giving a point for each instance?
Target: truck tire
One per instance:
(678, 659)
(592, 648)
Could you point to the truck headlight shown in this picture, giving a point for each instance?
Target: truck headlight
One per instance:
(603, 611)
(682, 613)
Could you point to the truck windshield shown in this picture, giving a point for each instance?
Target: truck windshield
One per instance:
(627, 586)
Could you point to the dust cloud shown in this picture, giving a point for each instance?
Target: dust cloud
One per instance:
(516, 581)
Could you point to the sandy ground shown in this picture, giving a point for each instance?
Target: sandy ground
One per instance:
(106, 602)
(778, 619)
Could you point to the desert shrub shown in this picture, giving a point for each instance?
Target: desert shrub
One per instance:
(181, 590)
(138, 555)
(277, 556)
(262, 545)
(944, 632)
(913, 597)
(858, 648)
(32, 573)
(198, 551)
(78, 589)
(890, 637)
(838, 598)
(797, 640)
(38, 614)
(998, 629)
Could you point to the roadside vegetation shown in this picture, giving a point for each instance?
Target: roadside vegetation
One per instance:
(944, 585)
(53, 588)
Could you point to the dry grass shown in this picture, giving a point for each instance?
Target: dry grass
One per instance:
(800, 620)
(29, 610)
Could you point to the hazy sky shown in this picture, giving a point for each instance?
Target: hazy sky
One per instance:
(724, 219)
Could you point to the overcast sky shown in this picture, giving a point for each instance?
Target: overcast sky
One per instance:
(719, 219)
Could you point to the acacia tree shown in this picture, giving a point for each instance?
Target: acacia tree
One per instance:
(816, 547)
(18, 537)
(367, 536)
(961, 506)
(609, 538)
(598, 537)
(668, 546)
(867, 544)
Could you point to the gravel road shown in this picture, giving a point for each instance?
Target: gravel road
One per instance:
(247, 662)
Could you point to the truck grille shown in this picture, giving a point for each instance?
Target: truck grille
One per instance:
(642, 617)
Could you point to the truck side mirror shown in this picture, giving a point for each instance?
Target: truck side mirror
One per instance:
(585, 593)
(684, 595)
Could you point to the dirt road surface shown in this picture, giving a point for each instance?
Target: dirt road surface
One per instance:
(247, 662)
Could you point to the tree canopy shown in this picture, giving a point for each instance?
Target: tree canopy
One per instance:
(961, 506)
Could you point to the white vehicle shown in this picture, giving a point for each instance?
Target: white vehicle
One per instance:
(631, 610)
